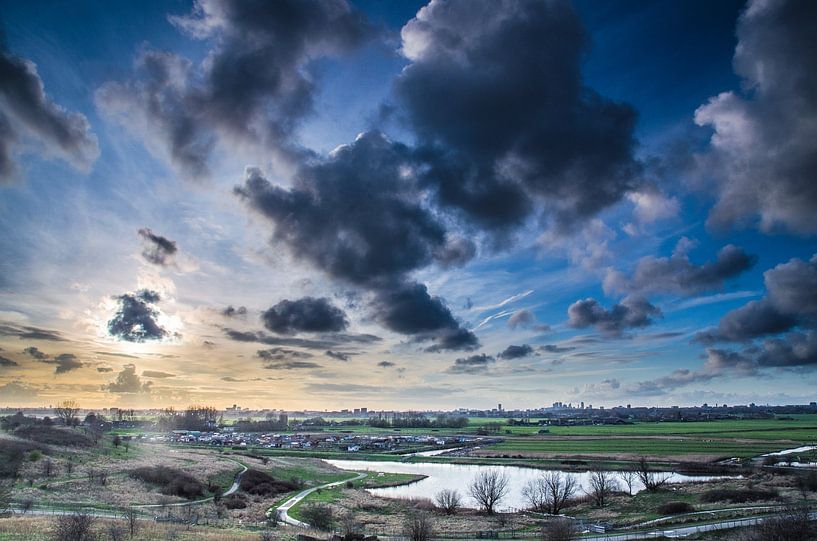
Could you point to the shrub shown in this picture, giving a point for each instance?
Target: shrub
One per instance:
(52, 435)
(318, 516)
(262, 484)
(675, 508)
(737, 496)
(235, 501)
(560, 529)
(170, 481)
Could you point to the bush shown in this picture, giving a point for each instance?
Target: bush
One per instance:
(51, 435)
(318, 516)
(262, 484)
(675, 508)
(170, 481)
(737, 496)
(560, 529)
(235, 501)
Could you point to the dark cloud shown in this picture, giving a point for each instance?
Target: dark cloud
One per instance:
(475, 364)
(338, 355)
(456, 252)
(307, 314)
(516, 352)
(495, 95)
(553, 348)
(321, 218)
(525, 319)
(156, 374)
(374, 246)
(754, 319)
(35, 353)
(761, 153)
(291, 365)
(30, 333)
(66, 362)
(410, 310)
(386, 364)
(230, 311)
(320, 342)
(632, 312)
(5, 362)
(26, 111)
(157, 249)
(790, 301)
(104, 369)
(794, 349)
(136, 318)
(678, 275)
(254, 86)
(128, 382)
(281, 354)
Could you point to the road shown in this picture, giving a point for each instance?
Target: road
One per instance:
(283, 509)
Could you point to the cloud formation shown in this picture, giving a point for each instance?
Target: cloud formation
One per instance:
(27, 112)
(231, 311)
(254, 85)
(494, 93)
(631, 312)
(516, 352)
(128, 382)
(157, 249)
(136, 318)
(678, 275)
(65, 362)
(761, 152)
(475, 364)
(790, 301)
(307, 314)
(321, 220)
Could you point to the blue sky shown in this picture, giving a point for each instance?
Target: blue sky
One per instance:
(390, 195)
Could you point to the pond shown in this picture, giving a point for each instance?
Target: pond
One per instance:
(459, 477)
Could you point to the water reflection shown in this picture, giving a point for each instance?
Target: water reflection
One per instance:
(459, 477)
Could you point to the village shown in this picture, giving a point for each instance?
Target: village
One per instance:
(350, 443)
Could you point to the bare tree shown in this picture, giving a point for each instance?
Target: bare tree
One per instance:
(116, 532)
(448, 500)
(629, 477)
(350, 527)
(489, 488)
(76, 527)
(549, 492)
(67, 411)
(602, 484)
(26, 505)
(5, 498)
(132, 520)
(560, 529)
(418, 527)
(652, 480)
(48, 467)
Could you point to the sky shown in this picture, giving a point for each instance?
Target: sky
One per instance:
(398, 205)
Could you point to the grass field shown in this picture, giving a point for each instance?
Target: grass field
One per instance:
(633, 446)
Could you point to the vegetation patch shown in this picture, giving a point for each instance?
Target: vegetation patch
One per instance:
(171, 482)
(52, 435)
(235, 501)
(262, 484)
(738, 495)
(676, 508)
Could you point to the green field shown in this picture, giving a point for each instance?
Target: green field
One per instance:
(634, 446)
